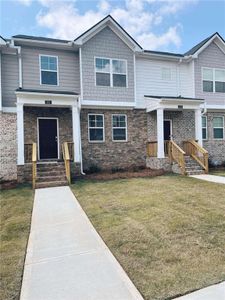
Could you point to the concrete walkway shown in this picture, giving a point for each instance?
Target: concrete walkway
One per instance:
(211, 178)
(214, 292)
(66, 258)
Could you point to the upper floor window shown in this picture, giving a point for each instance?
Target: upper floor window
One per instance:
(220, 81)
(204, 128)
(218, 128)
(96, 127)
(166, 73)
(111, 72)
(49, 70)
(119, 128)
(213, 80)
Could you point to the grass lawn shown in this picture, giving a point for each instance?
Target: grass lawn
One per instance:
(217, 172)
(16, 207)
(167, 232)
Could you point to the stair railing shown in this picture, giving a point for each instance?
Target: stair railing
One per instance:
(34, 164)
(66, 158)
(198, 153)
(176, 154)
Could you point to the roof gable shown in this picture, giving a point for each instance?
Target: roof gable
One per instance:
(115, 27)
(197, 49)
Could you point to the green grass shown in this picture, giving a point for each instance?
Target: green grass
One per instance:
(167, 232)
(218, 172)
(16, 208)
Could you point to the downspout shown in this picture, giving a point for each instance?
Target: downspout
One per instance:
(20, 62)
(80, 140)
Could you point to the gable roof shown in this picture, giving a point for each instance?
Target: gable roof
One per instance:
(198, 47)
(112, 23)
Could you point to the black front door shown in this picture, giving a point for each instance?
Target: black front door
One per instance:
(167, 130)
(48, 144)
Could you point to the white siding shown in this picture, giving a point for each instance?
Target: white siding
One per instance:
(149, 79)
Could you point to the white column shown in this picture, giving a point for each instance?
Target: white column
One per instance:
(20, 135)
(76, 132)
(160, 133)
(198, 126)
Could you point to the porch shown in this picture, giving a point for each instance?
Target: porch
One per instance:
(48, 132)
(175, 134)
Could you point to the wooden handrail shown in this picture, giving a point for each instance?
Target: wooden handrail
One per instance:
(66, 158)
(198, 153)
(34, 164)
(177, 154)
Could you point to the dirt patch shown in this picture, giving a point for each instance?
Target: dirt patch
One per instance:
(124, 174)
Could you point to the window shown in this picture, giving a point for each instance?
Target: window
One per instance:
(119, 73)
(166, 74)
(218, 127)
(220, 81)
(96, 128)
(102, 69)
(213, 80)
(110, 72)
(119, 128)
(207, 80)
(204, 128)
(49, 70)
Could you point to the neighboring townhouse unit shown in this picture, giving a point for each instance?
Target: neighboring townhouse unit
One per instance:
(101, 100)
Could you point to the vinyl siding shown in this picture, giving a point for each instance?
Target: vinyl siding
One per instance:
(10, 79)
(150, 82)
(211, 57)
(68, 68)
(106, 44)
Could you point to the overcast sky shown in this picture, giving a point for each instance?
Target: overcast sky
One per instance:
(167, 25)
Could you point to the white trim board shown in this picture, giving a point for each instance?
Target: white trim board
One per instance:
(107, 104)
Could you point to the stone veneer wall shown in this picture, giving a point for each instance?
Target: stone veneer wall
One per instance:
(64, 116)
(8, 147)
(216, 148)
(183, 125)
(109, 154)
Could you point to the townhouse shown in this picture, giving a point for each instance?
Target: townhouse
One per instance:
(102, 101)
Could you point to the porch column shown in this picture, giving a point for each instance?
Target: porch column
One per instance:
(20, 134)
(160, 133)
(76, 132)
(198, 126)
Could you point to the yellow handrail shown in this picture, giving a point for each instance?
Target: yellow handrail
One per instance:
(66, 158)
(152, 147)
(198, 153)
(34, 164)
(177, 154)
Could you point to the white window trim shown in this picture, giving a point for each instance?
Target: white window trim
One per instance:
(58, 142)
(120, 141)
(214, 79)
(218, 139)
(57, 71)
(206, 128)
(110, 72)
(103, 127)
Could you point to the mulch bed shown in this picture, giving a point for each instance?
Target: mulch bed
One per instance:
(124, 174)
(6, 185)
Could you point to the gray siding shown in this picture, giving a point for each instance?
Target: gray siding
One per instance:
(10, 79)
(211, 57)
(106, 44)
(68, 64)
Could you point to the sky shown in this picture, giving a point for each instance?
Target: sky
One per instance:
(165, 25)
